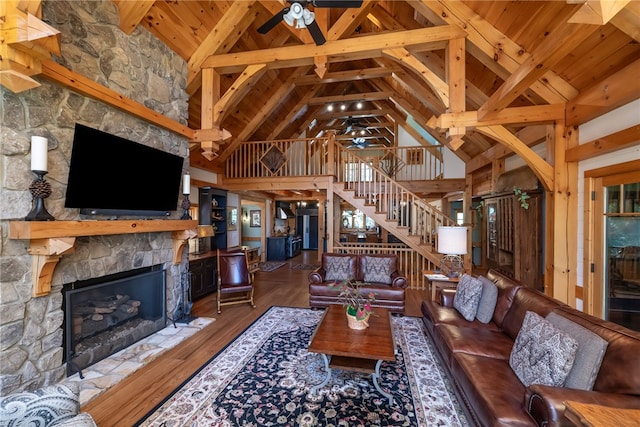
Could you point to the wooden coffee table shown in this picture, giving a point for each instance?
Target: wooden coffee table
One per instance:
(354, 350)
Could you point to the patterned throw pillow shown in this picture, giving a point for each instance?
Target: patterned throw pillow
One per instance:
(467, 296)
(542, 353)
(378, 270)
(46, 406)
(337, 268)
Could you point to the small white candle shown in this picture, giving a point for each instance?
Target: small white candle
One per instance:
(186, 184)
(39, 147)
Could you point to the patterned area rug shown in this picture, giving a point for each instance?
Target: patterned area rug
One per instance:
(270, 265)
(265, 376)
(304, 266)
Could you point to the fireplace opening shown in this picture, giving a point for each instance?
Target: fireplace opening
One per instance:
(107, 314)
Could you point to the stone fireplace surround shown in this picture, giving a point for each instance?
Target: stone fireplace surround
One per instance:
(137, 66)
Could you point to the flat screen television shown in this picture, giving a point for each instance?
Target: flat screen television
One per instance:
(110, 175)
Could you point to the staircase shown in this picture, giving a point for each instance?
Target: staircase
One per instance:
(393, 207)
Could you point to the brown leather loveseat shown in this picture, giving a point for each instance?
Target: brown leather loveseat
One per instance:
(379, 273)
(476, 357)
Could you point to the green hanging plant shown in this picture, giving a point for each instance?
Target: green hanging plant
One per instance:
(478, 209)
(522, 197)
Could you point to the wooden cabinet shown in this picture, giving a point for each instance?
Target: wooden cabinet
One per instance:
(276, 248)
(213, 211)
(514, 237)
(203, 276)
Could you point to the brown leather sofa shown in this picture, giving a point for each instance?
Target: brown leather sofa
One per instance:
(476, 357)
(323, 292)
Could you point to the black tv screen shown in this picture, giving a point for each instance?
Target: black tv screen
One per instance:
(110, 175)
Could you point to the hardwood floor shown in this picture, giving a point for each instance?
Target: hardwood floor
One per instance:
(133, 397)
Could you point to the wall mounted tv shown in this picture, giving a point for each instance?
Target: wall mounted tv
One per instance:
(110, 175)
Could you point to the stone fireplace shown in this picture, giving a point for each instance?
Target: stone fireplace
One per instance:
(141, 69)
(105, 315)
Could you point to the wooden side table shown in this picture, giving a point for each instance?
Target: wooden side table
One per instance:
(437, 279)
(592, 415)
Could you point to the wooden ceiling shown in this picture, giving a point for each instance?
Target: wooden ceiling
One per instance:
(526, 63)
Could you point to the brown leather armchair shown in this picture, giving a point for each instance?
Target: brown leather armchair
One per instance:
(235, 283)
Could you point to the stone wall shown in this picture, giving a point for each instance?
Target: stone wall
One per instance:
(137, 66)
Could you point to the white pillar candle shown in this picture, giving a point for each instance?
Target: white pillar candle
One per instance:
(39, 147)
(186, 184)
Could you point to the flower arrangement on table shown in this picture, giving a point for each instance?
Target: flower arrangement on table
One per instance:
(358, 304)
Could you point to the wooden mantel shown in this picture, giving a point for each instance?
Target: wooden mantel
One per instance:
(52, 239)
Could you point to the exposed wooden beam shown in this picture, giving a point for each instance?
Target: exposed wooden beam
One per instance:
(365, 96)
(336, 51)
(530, 135)
(515, 115)
(276, 98)
(240, 87)
(627, 20)
(558, 43)
(455, 64)
(349, 20)
(131, 13)
(293, 112)
(344, 76)
(606, 95)
(439, 86)
(25, 41)
(237, 18)
(85, 86)
(358, 114)
(539, 166)
(493, 48)
(616, 141)
(597, 12)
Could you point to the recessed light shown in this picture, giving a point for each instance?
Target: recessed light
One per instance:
(330, 107)
(359, 105)
(343, 107)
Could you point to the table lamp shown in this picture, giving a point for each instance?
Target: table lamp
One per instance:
(452, 241)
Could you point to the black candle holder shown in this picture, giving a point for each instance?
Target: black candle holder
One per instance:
(40, 190)
(186, 204)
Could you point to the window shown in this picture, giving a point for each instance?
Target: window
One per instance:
(414, 156)
(357, 220)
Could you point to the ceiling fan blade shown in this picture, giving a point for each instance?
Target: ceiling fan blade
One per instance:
(316, 33)
(337, 3)
(275, 20)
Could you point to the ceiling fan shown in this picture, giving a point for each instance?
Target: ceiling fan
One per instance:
(297, 14)
(353, 125)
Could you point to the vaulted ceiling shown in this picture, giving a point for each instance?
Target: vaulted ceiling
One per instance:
(441, 67)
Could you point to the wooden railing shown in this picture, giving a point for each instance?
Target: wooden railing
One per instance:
(304, 157)
(410, 263)
(383, 196)
(284, 158)
(404, 163)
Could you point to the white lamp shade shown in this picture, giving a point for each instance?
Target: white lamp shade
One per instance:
(452, 240)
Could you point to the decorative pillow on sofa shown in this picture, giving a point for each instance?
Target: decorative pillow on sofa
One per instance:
(46, 406)
(337, 268)
(488, 300)
(378, 270)
(542, 353)
(467, 296)
(591, 350)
